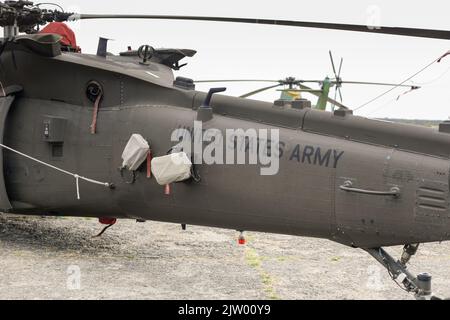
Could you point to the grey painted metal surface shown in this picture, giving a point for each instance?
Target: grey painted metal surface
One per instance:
(320, 151)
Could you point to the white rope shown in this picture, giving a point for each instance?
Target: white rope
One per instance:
(76, 176)
(77, 182)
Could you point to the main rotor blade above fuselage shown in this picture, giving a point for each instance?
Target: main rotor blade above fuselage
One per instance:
(400, 31)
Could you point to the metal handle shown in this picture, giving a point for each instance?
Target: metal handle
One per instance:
(348, 186)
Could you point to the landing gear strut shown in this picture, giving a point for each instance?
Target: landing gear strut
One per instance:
(420, 285)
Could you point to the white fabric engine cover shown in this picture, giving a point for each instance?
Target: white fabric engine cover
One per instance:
(172, 168)
(135, 152)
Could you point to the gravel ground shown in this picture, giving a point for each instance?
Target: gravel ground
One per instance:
(41, 258)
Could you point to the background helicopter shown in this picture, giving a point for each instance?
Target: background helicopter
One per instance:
(293, 88)
(47, 138)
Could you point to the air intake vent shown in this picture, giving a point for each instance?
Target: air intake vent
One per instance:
(431, 202)
(431, 198)
(444, 127)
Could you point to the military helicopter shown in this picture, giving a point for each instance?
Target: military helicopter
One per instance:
(93, 136)
(293, 89)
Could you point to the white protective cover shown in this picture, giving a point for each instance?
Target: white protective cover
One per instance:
(172, 168)
(135, 152)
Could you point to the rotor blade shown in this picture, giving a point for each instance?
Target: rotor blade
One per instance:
(314, 91)
(410, 32)
(340, 94)
(258, 91)
(256, 80)
(380, 84)
(340, 68)
(332, 63)
(234, 80)
(308, 81)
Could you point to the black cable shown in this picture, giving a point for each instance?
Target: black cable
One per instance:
(103, 231)
(391, 275)
(392, 89)
(434, 80)
(51, 4)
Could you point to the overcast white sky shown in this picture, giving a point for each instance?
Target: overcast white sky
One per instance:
(272, 52)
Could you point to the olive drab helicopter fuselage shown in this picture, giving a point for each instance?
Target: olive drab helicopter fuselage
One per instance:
(361, 182)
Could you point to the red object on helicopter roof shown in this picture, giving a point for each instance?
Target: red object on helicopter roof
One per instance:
(68, 36)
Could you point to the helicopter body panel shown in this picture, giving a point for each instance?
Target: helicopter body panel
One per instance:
(229, 196)
(66, 116)
(318, 151)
